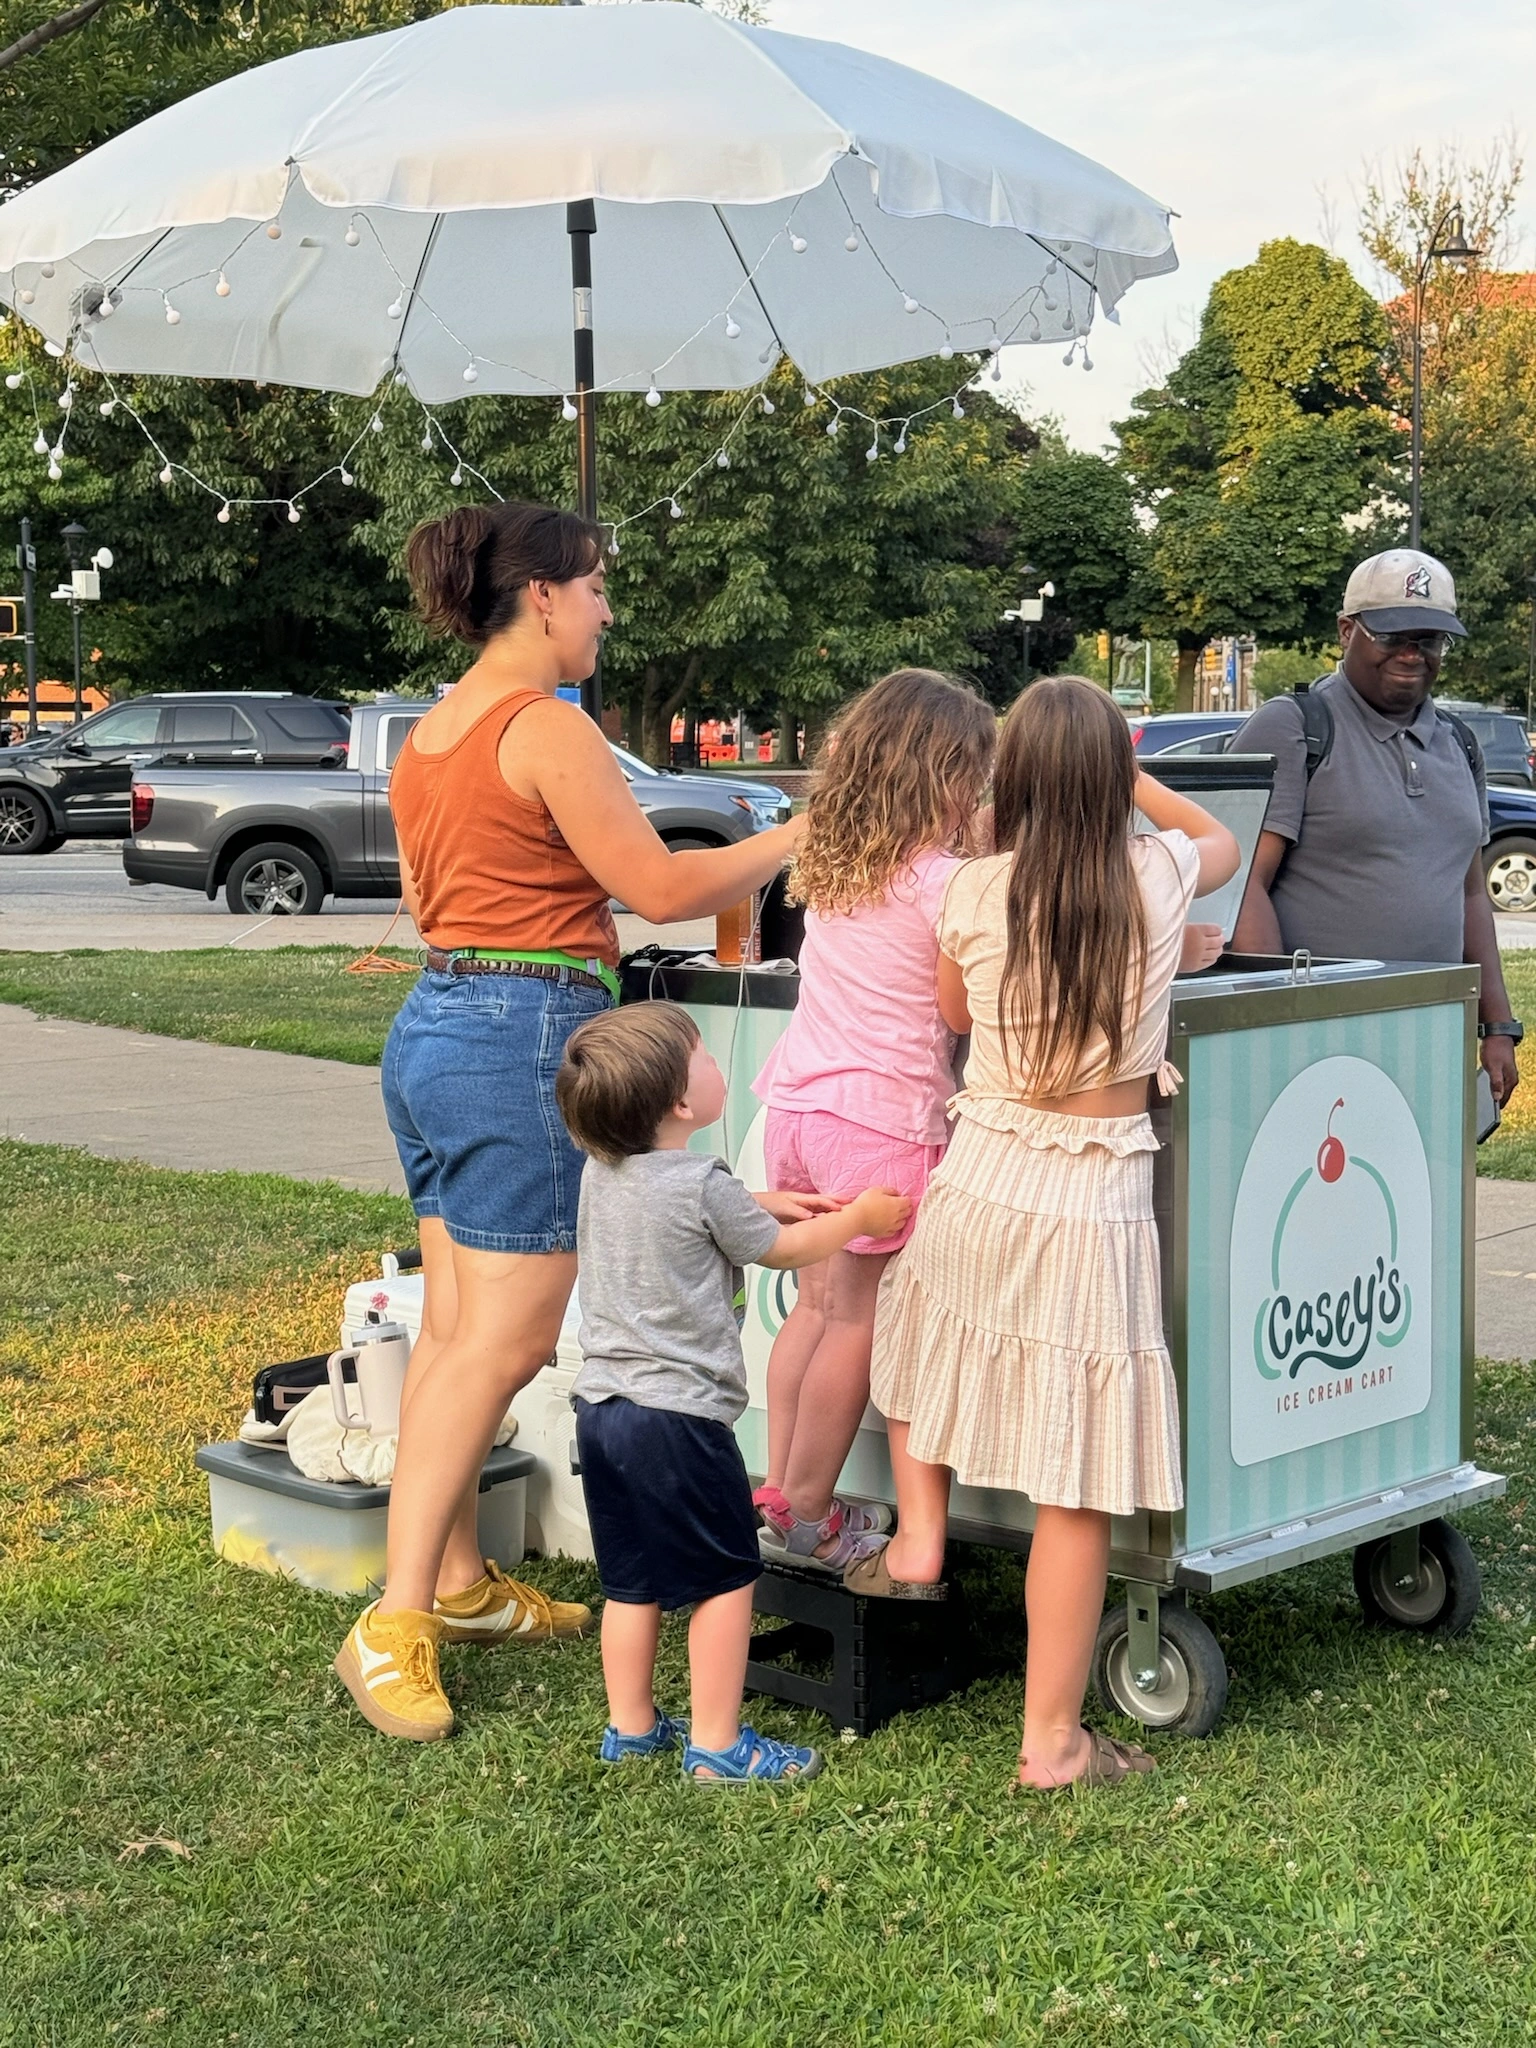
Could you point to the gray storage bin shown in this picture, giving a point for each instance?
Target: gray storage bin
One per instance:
(331, 1535)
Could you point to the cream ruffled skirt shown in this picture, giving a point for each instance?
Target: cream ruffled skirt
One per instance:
(1020, 1333)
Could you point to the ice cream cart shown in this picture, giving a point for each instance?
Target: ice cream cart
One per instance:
(1315, 1204)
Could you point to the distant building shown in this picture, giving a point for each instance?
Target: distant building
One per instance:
(55, 699)
(1224, 675)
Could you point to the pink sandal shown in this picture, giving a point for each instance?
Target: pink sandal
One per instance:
(859, 1517)
(784, 1539)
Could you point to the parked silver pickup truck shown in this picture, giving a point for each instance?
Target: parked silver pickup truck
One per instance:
(278, 841)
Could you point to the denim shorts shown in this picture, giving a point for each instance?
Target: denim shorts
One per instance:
(469, 1090)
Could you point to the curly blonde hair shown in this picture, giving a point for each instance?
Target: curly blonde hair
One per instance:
(902, 771)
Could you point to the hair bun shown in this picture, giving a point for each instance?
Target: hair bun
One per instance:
(469, 569)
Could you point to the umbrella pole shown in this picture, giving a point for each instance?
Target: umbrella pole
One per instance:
(581, 226)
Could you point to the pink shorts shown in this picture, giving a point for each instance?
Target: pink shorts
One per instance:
(813, 1152)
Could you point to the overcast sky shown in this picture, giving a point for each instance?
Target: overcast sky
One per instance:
(1250, 118)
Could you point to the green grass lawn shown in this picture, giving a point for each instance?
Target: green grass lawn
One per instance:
(291, 999)
(1510, 1154)
(200, 1842)
(301, 999)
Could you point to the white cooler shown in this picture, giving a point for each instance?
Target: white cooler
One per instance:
(546, 1426)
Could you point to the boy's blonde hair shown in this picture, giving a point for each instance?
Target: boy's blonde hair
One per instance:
(622, 1073)
(903, 770)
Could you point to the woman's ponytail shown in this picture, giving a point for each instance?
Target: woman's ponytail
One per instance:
(440, 559)
(469, 569)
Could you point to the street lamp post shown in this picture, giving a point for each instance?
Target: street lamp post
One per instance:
(26, 561)
(1454, 249)
(83, 584)
(1029, 611)
(1530, 661)
(74, 538)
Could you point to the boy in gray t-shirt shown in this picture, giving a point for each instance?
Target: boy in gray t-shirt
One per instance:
(662, 1234)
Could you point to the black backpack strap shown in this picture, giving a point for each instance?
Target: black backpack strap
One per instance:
(1468, 739)
(1316, 725)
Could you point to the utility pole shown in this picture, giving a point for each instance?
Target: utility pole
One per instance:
(1456, 250)
(26, 561)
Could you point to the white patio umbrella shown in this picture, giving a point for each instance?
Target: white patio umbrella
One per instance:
(423, 205)
(401, 203)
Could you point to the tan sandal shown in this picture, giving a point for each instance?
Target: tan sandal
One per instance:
(1109, 1763)
(872, 1576)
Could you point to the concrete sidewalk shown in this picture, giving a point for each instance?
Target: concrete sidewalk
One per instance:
(177, 1102)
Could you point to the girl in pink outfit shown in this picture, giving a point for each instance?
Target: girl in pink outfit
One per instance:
(856, 1088)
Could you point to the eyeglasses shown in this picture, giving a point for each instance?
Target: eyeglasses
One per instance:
(1434, 645)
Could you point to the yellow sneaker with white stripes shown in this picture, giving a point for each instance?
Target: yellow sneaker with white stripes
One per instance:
(496, 1609)
(389, 1665)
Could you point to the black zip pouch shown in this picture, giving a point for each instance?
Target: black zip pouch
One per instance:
(278, 1389)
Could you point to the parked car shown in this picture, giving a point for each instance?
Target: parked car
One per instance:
(1506, 745)
(1185, 732)
(74, 783)
(278, 841)
(1509, 858)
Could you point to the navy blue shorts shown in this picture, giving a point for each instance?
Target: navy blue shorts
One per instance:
(669, 1504)
(469, 1090)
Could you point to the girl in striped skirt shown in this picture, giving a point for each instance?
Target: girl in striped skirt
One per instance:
(1019, 1340)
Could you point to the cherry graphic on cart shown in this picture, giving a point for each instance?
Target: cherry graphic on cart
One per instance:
(1330, 1154)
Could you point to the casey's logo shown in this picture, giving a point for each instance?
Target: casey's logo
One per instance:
(1333, 1326)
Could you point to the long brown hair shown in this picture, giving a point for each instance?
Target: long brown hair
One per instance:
(902, 770)
(1077, 927)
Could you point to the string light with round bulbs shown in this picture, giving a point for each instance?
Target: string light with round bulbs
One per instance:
(97, 301)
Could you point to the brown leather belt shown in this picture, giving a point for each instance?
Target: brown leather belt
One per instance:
(542, 970)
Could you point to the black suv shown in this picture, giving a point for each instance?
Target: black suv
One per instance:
(1507, 754)
(74, 784)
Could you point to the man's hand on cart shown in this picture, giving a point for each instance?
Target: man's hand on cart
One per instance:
(787, 1206)
(1202, 947)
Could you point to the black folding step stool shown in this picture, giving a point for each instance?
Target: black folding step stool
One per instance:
(888, 1656)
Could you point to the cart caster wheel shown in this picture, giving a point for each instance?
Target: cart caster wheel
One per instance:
(1444, 1597)
(1191, 1688)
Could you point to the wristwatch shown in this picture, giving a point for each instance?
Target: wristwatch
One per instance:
(1510, 1028)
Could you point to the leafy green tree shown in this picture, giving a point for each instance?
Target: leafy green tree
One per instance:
(189, 603)
(1077, 521)
(793, 576)
(1259, 458)
(1479, 386)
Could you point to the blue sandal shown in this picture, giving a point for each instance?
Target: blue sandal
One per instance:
(666, 1734)
(750, 1756)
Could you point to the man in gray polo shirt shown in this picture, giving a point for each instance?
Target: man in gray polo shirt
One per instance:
(1378, 854)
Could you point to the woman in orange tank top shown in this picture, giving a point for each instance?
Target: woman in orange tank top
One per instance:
(515, 826)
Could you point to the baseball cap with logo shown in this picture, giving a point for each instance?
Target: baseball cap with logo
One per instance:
(1403, 591)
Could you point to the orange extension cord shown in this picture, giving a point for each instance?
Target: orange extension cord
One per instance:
(373, 961)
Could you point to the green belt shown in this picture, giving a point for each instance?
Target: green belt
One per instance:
(600, 968)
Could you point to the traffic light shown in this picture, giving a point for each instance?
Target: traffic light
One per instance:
(10, 618)
(1103, 647)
